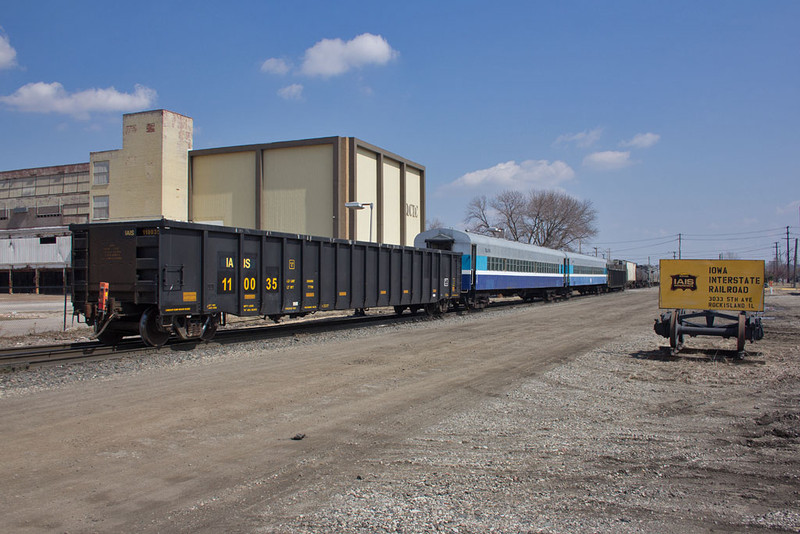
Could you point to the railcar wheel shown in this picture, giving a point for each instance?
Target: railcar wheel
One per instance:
(740, 338)
(400, 309)
(674, 339)
(151, 331)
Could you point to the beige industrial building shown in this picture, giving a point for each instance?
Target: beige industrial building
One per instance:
(147, 178)
(338, 187)
(303, 186)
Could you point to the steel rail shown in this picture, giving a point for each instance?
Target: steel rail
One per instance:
(41, 355)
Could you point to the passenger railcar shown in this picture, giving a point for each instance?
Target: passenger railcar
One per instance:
(159, 278)
(498, 266)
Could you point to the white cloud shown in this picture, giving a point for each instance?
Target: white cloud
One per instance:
(43, 97)
(275, 66)
(291, 92)
(583, 139)
(8, 56)
(642, 140)
(608, 160)
(791, 207)
(510, 175)
(332, 57)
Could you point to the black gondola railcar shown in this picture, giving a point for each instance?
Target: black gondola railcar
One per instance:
(617, 275)
(162, 277)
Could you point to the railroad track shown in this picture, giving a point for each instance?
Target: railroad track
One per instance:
(18, 358)
(12, 359)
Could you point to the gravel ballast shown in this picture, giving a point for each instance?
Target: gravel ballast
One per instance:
(622, 437)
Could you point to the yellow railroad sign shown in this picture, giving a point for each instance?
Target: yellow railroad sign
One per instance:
(735, 285)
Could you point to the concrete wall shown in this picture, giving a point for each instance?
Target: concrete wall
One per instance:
(397, 188)
(298, 191)
(366, 191)
(177, 133)
(413, 204)
(391, 199)
(148, 176)
(302, 186)
(223, 189)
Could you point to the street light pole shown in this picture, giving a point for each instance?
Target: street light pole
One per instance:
(361, 206)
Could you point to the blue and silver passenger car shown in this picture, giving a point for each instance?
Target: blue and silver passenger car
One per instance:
(493, 266)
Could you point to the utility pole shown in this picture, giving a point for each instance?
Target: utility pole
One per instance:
(777, 262)
(595, 252)
(795, 263)
(680, 238)
(788, 258)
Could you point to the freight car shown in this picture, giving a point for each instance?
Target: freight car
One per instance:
(630, 268)
(617, 275)
(161, 278)
(646, 275)
(493, 266)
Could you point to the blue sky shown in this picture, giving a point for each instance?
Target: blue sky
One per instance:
(671, 117)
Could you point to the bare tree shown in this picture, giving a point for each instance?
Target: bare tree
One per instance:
(510, 207)
(546, 218)
(434, 224)
(477, 218)
(559, 220)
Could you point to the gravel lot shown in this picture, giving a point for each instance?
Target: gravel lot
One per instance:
(612, 435)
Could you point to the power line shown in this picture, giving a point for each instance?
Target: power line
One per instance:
(605, 243)
(780, 230)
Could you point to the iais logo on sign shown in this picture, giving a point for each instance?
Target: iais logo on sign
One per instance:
(684, 282)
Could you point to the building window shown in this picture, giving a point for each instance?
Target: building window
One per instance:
(100, 207)
(100, 172)
(29, 187)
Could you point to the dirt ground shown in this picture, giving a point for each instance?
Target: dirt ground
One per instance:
(547, 418)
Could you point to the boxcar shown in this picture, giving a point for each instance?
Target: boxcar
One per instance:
(159, 278)
(631, 274)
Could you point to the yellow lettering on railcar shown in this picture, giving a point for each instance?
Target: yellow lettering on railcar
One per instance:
(249, 283)
(271, 283)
